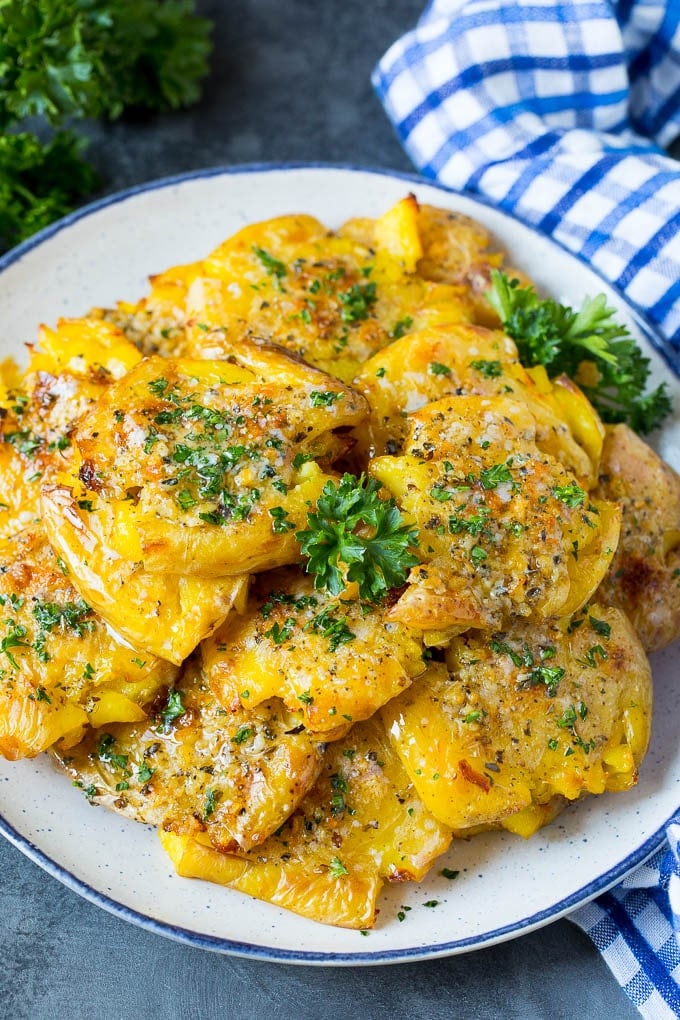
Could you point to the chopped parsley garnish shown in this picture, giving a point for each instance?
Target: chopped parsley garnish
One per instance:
(339, 788)
(173, 710)
(211, 798)
(280, 523)
(324, 398)
(158, 386)
(331, 627)
(242, 734)
(13, 639)
(568, 718)
(478, 555)
(144, 773)
(548, 675)
(25, 442)
(280, 634)
(571, 494)
(475, 524)
(357, 301)
(501, 648)
(336, 868)
(106, 753)
(354, 527)
(591, 656)
(441, 494)
(494, 476)
(284, 598)
(436, 368)
(274, 266)
(73, 616)
(489, 369)
(400, 328)
(600, 627)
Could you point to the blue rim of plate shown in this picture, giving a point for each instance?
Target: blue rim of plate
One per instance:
(243, 949)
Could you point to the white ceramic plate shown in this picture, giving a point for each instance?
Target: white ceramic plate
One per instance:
(505, 886)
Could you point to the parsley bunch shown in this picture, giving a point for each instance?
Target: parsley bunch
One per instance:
(83, 58)
(548, 333)
(39, 182)
(353, 527)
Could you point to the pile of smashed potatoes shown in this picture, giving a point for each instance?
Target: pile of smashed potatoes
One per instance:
(163, 639)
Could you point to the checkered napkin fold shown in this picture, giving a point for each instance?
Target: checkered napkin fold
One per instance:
(559, 112)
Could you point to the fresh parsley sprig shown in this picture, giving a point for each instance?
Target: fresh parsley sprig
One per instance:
(562, 339)
(354, 535)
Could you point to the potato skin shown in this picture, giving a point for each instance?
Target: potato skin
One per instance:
(179, 611)
(644, 577)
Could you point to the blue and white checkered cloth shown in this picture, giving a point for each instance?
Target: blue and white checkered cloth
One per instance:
(558, 111)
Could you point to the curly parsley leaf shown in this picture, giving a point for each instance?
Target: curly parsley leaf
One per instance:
(83, 58)
(92, 58)
(354, 528)
(576, 342)
(40, 182)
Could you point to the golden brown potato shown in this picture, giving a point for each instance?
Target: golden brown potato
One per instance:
(459, 250)
(504, 528)
(362, 824)
(158, 323)
(525, 717)
(68, 371)
(207, 466)
(424, 366)
(61, 668)
(332, 298)
(312, 651)
(196, 769)
(644, 577)
(463, 359)
(164, 614)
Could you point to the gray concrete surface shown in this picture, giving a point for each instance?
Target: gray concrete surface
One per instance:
(290, 82)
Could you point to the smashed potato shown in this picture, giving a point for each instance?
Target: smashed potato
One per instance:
(509, 532)
(233, 777)
(205, 464)
(62, 670)
(307, 564)
(519, 720)
(361, 825)
(311, 651)
(644, 578)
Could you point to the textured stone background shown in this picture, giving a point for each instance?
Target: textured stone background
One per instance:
(290, 82)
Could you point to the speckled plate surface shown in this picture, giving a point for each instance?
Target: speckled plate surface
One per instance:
(505, 886)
